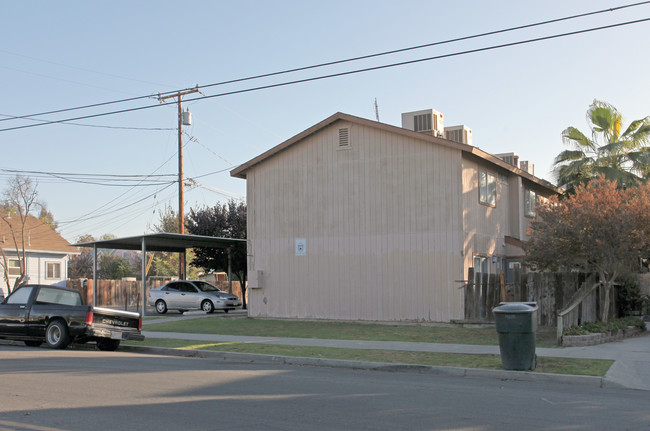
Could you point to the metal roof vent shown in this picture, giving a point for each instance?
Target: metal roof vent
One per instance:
(344, 137)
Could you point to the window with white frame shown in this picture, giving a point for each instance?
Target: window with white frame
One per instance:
(481, 270)
(481, 264)
(53, 270)
(530, 203)
(487, 184)
(14, 267)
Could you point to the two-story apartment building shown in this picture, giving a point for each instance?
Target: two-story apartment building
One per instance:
(354, 219)
(47, 253)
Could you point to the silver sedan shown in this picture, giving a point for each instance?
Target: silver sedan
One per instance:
(185, 295)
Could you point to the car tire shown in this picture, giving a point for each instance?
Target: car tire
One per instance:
(207, 306)
(161, 307)
(56, 335)
(33, 343)
(107, 344)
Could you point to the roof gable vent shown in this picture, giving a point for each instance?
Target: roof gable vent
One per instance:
(344, 137)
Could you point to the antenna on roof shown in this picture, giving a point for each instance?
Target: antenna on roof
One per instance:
(376, 109)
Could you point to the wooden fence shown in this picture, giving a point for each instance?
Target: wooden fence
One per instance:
(126, 295)
(551, 291)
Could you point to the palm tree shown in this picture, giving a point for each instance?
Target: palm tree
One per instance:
(621, 157)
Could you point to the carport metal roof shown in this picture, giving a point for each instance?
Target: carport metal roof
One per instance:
(174, 242)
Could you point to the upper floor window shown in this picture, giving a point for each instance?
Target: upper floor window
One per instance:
(530, 203)
(487, 184)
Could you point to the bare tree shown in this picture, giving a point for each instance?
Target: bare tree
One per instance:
(19, 198)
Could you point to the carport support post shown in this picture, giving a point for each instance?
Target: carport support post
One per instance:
(144, 276)
(229, 269)
(94, 275)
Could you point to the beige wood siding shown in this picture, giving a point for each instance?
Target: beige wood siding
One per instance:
(485, 227)
(382, 222)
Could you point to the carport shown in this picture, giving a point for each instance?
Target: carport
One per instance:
(171, 242)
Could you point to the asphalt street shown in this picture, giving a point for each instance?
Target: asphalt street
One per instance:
(81, 389)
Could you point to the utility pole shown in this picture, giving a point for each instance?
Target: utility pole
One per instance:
(181, 206)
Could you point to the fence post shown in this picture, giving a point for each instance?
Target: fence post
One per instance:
(560, 329)
(470, 300)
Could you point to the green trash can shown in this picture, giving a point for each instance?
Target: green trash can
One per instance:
(516, 323)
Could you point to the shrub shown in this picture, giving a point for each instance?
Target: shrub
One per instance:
(611, 327)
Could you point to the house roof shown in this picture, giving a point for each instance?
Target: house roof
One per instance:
(175, 242)
(240, 171)
(38, 236)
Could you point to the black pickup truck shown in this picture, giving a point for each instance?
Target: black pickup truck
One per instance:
(56, 315)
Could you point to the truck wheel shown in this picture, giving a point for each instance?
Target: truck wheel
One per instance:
(33, 343)
(107, 344)
(56, 335)
(207, 306)
(161, 307)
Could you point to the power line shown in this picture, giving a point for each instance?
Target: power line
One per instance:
(427, 45)
(363, 57)
(86, 216)
(93, 105)
(19, 171)
(90, 125)
(339, 74)
(130, 204)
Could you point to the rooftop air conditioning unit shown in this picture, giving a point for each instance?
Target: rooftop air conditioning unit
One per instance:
(428, 121)
(509, 158)
(527, 166)
(461, 134)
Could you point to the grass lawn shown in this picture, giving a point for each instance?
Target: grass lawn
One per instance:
(362, 331)
(339, 330)
(589, 367)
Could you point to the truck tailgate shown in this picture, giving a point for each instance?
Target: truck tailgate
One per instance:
(116, 324)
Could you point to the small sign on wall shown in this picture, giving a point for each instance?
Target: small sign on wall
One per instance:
(301, 247)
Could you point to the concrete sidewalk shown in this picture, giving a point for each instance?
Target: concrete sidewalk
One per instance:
(631, 368)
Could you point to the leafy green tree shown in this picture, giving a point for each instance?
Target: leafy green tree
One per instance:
(114, 267)
(165, 263)
(600, 228)
(46, 217)
(621, 155)
(225, 221)
(168, 221)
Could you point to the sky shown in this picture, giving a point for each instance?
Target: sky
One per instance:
(114, 174)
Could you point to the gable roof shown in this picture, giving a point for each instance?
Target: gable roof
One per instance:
(240, 171)
(38, 236)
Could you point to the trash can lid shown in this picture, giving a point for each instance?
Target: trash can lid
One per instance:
(515, 307)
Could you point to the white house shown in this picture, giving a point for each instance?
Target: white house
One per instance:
(47, 252)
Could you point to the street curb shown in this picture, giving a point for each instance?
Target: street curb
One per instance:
(504, 375)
